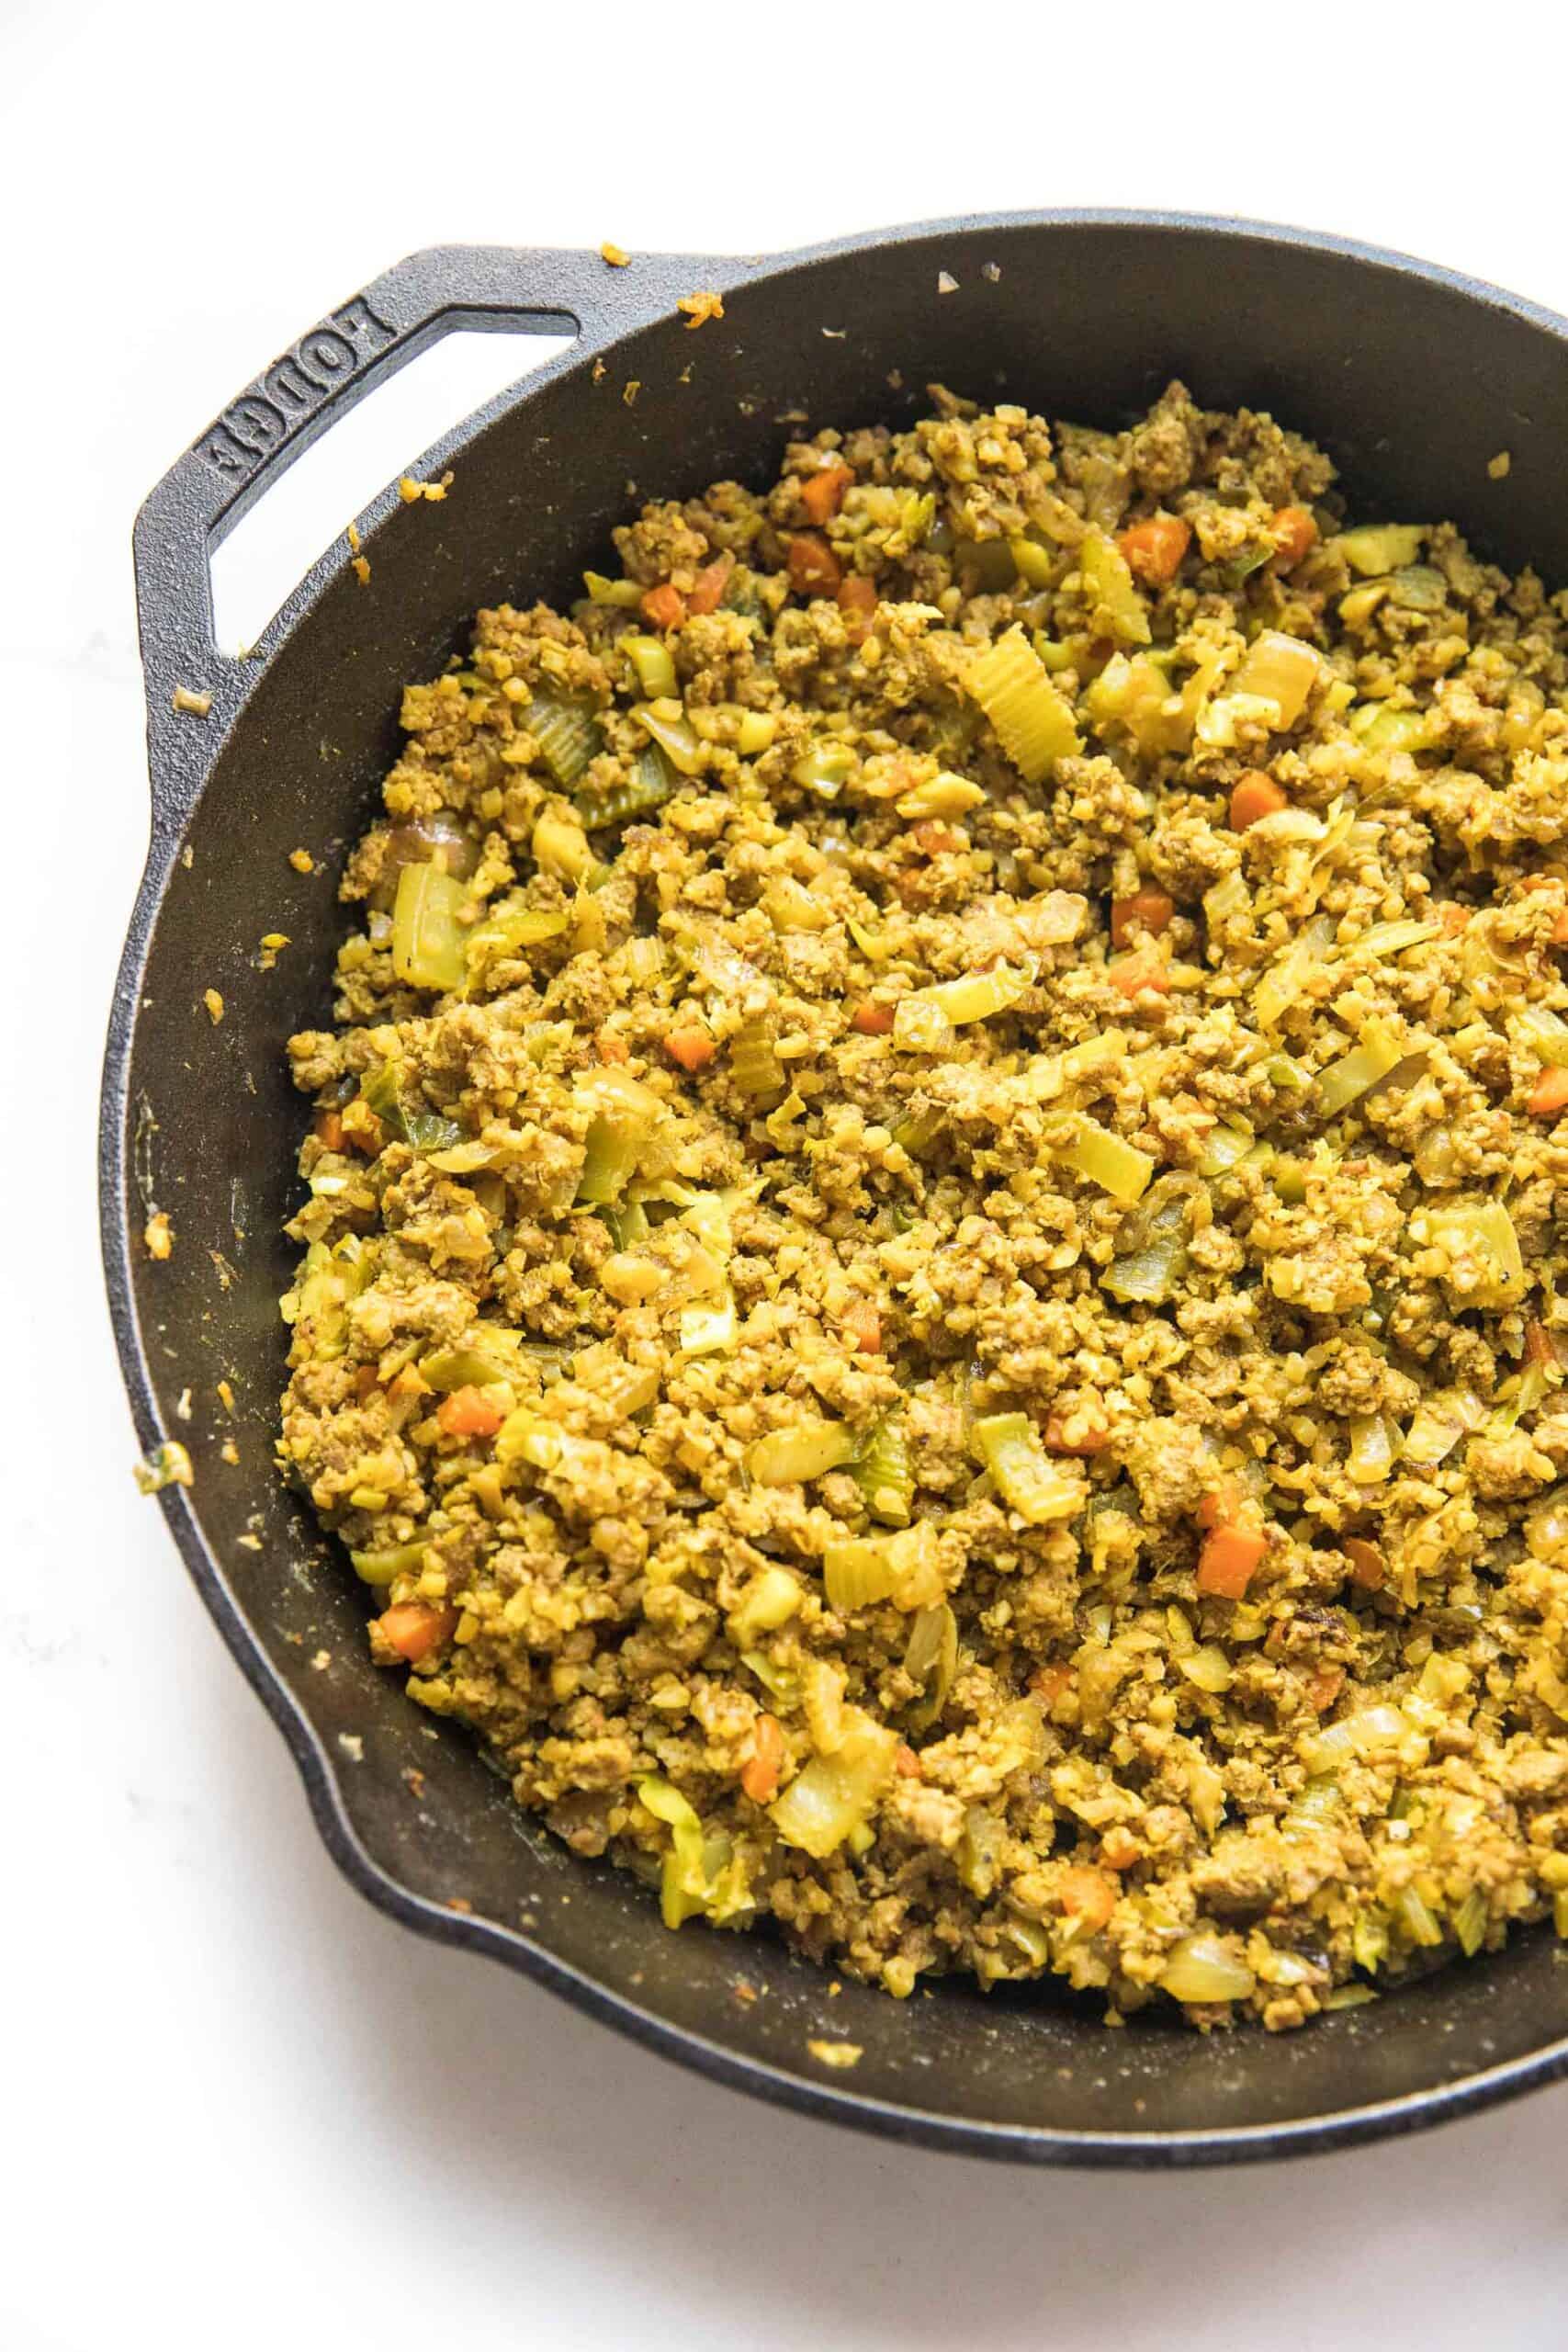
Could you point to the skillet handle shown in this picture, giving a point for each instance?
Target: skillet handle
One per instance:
(318, 380)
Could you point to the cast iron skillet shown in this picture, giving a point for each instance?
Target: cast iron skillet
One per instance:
(1413, 378)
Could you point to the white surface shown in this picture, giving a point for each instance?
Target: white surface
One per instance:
(240, 2109)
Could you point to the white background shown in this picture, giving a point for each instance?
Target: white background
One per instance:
(239, 2109)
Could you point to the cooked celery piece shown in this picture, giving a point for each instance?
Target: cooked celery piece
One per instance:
(625, 593)
(1033, 724)
(1543, 1033)
(1027, 1479)
(1034, 564)
(654, 664)
(1280, 670)
(505, 930)
(708, 1328)
(1392, 938)
(1381, 727)
(567, 734)
(1380, 546)
(795, 1457)
(624, 1115)
(700, 1875)
(754, 1066)
(1415, 1916)
(465, 1367)
(1148, 1270)
(1222, 1148)
(652, 782)
(932, 1660)
(883, 1474)
(1440, 1424)
(1486, 1264)
(770, 1600)
(904, 1568)
(385, 1566)
(781, 1682)
(824, 769)
(985, 567)
(1203, 1968)
(1109, 587)
(1366, 1066)
(1418, 587)
(832, 1795)
(1470, 1923)
(950, 1003)
(665, 721)
(427, 937)
(1117, 1166)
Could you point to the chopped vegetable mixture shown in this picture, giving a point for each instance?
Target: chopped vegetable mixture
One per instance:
(934, 1215)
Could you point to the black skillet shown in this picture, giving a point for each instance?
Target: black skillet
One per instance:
(1413, 378)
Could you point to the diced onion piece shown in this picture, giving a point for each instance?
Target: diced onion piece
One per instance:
(1119, 1167)
(934, 1012)
(1029, 1482)
(625, 1116)
(1385, 726)
(904, 1568)
(1369, 1062)
(943, 795)
(1280, 986)
(667, 723)
(1542, 1032)
(1393, 938)
(1440, 1424)
(1203, 1968)
(708, 1328)
(1032, 722)
(770, 1600)
(1486, 1267)
(831, 1795)
(427, 938)
(1371, 1455)
(1380, 546)
(1224, 1146)
(1278, 669)
(560, 847)
(1208, 1666)
(654, 664)
(1109, 582)
(793, 1456)
(931, 1659)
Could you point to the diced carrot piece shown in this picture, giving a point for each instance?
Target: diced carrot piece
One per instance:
(610, 1047)
(407, 1385)
(1256, 795)
(934, 840)
(760, 1777)
(413, 1629)
(814, 569)
(1133, 974)
(864, 1324)
(1548, 1095)
(1325, 1686)
(1088, 1895)
(365, 1381)
(1147, 910)
(1452, 917)
(329, 1128)
(1538, 1343)
(1154, 549)
(709, 585)
(822, 493)
(858, 600)
(663, 606)
(467, 1412)
(1366, 1562)
(906, 1764)
(1217, 1509)
(1048, 1683)
(1227, 1561)
(693, 1048)
(872, 1019)
(1093, 1441)
(1295, 534)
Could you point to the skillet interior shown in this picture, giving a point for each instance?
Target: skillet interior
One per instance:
(1413, 380)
